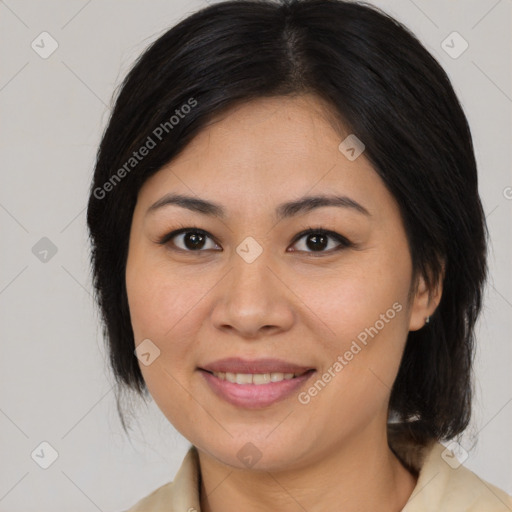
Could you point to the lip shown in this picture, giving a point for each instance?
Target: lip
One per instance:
(265, 365)
(253, 396)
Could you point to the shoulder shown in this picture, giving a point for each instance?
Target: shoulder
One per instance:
(154, 501)
(158, 500)
(445, 484)
(180, 495)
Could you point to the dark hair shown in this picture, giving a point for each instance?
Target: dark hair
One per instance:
(385, 88)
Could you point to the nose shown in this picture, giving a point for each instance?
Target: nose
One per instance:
(253, 299)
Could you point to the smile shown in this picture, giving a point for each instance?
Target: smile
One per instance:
(254, 391)
(255, 378)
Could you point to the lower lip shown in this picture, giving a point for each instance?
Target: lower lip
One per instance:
(254, 396)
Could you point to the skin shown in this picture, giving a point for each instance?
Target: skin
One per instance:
(293, 302)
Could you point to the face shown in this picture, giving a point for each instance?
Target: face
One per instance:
(241, 281)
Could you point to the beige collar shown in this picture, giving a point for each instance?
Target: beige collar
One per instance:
(443, 485)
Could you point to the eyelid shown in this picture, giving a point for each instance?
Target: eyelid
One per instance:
(343, 242)
(169, 236)
(320, 230)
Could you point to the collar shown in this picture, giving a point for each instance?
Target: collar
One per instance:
(443, 484)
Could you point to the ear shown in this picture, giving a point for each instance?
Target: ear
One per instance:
(424, 302)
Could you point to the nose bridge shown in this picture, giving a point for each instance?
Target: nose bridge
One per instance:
(251, 277)
(252, 296)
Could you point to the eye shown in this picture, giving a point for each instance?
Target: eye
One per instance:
(318, 239)
(188, 239)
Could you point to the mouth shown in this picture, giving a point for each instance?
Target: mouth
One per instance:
(257, 379)
(255, 390)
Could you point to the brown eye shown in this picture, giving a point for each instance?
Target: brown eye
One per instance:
(318, 240)
(189, 240)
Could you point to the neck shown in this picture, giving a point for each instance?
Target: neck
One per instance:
(362, 474)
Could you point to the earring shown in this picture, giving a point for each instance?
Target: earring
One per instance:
(427, 320)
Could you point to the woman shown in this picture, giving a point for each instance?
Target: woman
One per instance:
(289, 253)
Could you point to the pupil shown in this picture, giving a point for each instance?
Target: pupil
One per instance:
(315, 242)
(196, 239)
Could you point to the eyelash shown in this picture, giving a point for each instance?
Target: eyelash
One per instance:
(344, 242)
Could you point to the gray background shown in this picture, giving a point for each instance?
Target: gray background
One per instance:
(55, 384)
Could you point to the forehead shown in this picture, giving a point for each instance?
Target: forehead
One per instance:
(266, 151)
(268, 127)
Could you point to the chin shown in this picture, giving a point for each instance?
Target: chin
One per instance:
(255, 453)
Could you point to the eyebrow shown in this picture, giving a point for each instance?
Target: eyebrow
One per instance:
(284, 210)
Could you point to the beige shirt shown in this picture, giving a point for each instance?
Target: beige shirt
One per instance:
(443, 485)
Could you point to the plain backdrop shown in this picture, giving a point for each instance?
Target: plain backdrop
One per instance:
(55, 385)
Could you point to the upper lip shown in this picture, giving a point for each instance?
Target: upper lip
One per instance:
(254, 366)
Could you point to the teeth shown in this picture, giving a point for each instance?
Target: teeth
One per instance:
(254, 378)
(242, 378)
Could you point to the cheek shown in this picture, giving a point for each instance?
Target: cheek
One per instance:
(166, 307)
(364, 320)
(159, 299)
(348, 302)
(162, 305)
